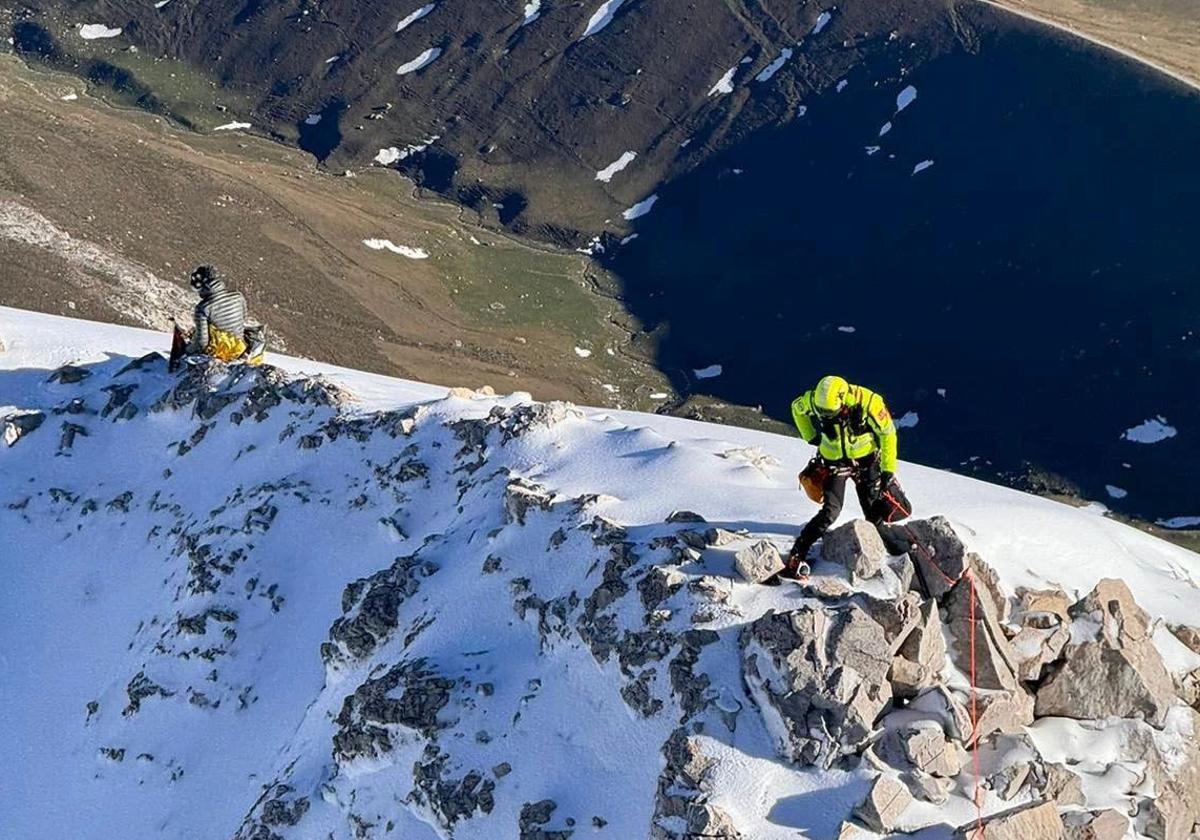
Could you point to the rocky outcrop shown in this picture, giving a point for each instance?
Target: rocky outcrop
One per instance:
(1034, 821)
(858, 547)
(758, 562)
(369, 716)
(18, 424)
(372, 608)
(885, 804)
(1111, 668)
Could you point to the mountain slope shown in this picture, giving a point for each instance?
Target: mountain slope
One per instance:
(352, 606)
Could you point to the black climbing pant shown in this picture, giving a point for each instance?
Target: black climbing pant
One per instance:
(865, 474)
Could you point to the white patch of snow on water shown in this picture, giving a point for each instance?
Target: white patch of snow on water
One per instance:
(1150, 431)
(533, 11)
(390, 155)
(602, 18)
(1115, 492)
(606, 174)
(774, 67)
(941, 392)
(847, 329)
(872, 149)
(905, 98)
(629, 238)
(130, 289)
(822, 21)
(423, 60)
(908, 420)
(1180, 522)
(841, 85)
(710, 372)
(725, 83)
(312, 119)
(414, 17)
(233, 126)
(885, 128)
(402, 250)
(94, 31)
(582, 352)
(922, 166)
(640, 209)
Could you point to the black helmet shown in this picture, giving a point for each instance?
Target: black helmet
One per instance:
(203, 277)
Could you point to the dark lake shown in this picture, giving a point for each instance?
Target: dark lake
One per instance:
(1043, 271)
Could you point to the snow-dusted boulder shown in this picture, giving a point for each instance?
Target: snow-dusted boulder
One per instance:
(18, 424)
(1034, 821)
(857, 546)
(885, 804)
(758, 562)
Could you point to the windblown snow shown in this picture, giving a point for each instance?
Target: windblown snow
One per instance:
(402, 250)
(423, 60)
(303, 601)
(606, 174)
(233, 126)
(414, 17)
(94, 31)
(602, 17)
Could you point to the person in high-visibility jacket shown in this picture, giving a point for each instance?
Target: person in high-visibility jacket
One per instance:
(856, 440)
(220, 317)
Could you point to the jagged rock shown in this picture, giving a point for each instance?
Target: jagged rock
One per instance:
(659, 584)
(1002, 712)
(119, 405)
(758, 562)
(926, 644)
(849, 830)
(533, 816)
(18, 424)
(927, 788)
(819, 676)
(1033, 821)
(372, 607)
(908, 677)
(1108, 824)
(450, 799)
(925, 746)
(1058, 784)
(943, 559)
(1190, 636)
(995, 660)
(69, 375)
(1038, 648)
(857, 546)
(522, 496)
(942, 705)
(522, 419)
(885, 804)
(70, 431)
(1039, 607)
(704, 821)
(720, 536)
(1174, 769)
(1010, 781)
(827, 588)
(897, 616)
(712, 588)
(904, 570)
(369, 715)
(1111, 668)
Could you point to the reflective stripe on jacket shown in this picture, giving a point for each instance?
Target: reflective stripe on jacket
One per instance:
(863, 426)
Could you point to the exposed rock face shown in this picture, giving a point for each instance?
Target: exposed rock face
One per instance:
(857, 546)
(1111, 668)
(926, 747)
(995, 660)
(704, 821)
(926, 644)
(372, 607)
(885, 804)
(1035, 821)
(369, 714)
(820, 678)
(944, 558)
(758, 562)
(1174, 811)
(1095, 825)
(21, 423)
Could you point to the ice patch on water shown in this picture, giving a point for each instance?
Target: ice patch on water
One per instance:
(640, 209)
(1150, 431)
(602, 18)
(710, 372)
(774, 67)
(905, 98)
(885, 128)
(402, 250)
(841, 86)
(847, 329)
(908, 420)
(94, 31)
(1180, 522)
(873, 149)
(922, 166)
(533, 10)
(423, 60)
(1115, 492)
(822, 21)
(312, 119)
(606, 174)
(414, 17)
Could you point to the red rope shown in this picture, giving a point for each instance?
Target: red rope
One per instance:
(978, 795)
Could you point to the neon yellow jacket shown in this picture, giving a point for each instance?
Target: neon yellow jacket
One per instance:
(864, 426)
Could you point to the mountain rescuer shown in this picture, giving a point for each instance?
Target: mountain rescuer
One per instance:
(220, 317)
(856, 440)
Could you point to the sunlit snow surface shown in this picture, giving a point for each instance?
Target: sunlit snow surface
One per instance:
(641, 208)
(414, 17)
(601, 18)
(88, 598)
(725, 83)
(606, 174)
(423, 60)
(402, 250)
(95, 31)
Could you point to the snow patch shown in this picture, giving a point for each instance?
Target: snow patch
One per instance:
(908, 420)
(774, 67)
(582, 352)
(402, 250)
(710, 372)
(602, 18)
(533, 10)
(232, 126)
(95, 31)
(390, 155)
(922, 166)
(725, 83)
(885, 128)
(822, 21)
(640, 209)
(70, 97)
(423, 60)
(1154, 430)
(905, 98)
(606, 174)
(414, 17)
(1115, 492)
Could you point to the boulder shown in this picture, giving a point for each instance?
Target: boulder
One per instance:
(704, 821)
(908, 677)
(857, 546)
(1003, 712)
(926, 644)
(942, 705)
(1034, 821)
(1108, 824)
(1036, 648)
(995, 660)
(925, 746)
(1011, 780)
(1042, 607)
(819, 677)
(1175, 771)
(939, 555)
(927, 788)
(897, 616)
(18, 424)
(758, 562)
(885, 804)
(1062, 786)
(1111, 668)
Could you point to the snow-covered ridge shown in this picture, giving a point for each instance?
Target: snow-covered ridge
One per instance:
(301, 604)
